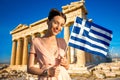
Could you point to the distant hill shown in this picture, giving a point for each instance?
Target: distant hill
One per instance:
(4, 62)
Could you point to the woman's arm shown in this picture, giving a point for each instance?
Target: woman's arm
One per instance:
(31, 67)
(37, 71)
(31, 60)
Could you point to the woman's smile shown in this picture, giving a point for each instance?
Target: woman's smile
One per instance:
(56, 30)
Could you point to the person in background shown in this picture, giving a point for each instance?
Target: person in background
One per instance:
(50, 51)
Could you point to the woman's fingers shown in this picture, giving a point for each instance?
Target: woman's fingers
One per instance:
(54, 71)
(63, 61)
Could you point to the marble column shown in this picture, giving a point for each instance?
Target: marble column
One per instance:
(19, 52)
(42, 34)
(66, 37)
(98, 59)
(25, 51)
(81, 58)
(87, 58)
(33, 36)
(37, 34)
(81, 55)
(13, 54)
(91, 58)
(72, 55)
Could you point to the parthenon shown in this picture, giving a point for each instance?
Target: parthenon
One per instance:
(22, 35)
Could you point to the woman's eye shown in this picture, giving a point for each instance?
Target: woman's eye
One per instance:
(55, 22)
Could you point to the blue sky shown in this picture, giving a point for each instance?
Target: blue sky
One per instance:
(15, 12)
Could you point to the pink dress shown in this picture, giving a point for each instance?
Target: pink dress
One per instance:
(46, 59)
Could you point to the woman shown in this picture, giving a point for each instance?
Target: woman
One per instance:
(50, 51)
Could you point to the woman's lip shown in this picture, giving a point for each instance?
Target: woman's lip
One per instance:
(56, 31)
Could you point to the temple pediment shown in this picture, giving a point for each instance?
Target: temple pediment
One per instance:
(20, 27)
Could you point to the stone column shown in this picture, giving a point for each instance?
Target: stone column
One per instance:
(33, 36)
(25, 51)
(91, 58)
(72, 52)
(42, 34)
(66, 37)
(13, 54)
(19, 52)
(81, 58)
(98, 59)
(37, 34)
(87, 58)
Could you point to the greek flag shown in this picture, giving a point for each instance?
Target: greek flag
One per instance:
(90, 37)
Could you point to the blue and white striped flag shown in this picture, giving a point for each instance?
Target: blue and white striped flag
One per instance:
(90, 37)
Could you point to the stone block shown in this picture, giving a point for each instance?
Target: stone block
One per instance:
(105, 71)
(98, 75)
(115, 68)
(110, 74)
(106, 68)
(117, 73)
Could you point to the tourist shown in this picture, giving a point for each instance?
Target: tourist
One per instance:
(49, 51)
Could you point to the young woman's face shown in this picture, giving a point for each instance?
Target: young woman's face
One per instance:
(55, 25)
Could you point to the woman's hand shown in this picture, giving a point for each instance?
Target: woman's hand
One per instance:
(53, 71)
(64, 62)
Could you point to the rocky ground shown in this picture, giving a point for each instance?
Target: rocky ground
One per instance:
(103, 71)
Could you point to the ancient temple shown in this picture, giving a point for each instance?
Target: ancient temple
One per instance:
(22, 35)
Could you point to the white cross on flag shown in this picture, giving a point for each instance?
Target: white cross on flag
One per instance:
(90, 37)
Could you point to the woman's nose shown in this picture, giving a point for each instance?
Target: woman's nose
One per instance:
(58, 28)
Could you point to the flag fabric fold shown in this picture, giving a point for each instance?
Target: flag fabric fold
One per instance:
(90, 37)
